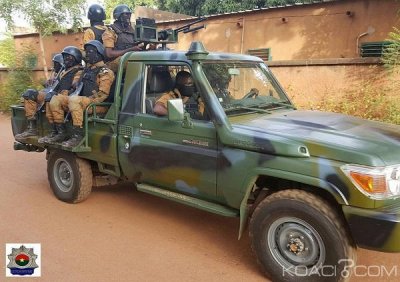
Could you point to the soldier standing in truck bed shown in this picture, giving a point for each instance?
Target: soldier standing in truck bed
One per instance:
(119, 38)
(96, 15)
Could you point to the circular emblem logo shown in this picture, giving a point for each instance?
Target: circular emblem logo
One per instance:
(22, 259)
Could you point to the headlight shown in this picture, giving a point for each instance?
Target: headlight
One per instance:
(375, 182)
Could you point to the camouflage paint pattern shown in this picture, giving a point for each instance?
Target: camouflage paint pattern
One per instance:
(220, 160)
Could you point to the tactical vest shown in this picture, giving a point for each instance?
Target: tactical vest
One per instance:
(66, 80)
(89, 81)
(98, 33)
(125, 38)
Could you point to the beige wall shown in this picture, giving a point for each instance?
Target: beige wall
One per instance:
(308, 85)
(321, 32)
(310, 31)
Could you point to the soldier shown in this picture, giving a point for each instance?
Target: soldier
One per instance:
(33, 99)
(96, 15)
(97, 79)
(73, 63)
(119, 38)
(185, 90)
(58, 65)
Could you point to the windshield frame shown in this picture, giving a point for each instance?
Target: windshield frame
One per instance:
(244, 108)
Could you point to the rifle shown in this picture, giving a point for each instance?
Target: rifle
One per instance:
(49, 90)
(146, 32)
(76, 92)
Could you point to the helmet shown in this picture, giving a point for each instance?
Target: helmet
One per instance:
(120, 9)
(97, 44)
(96, 13)
(73, 51)
(58, 58)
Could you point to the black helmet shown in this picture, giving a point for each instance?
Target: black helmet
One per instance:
(120, 9)
(96, 13)
(58, 58)
(97, 44)
(73, 51)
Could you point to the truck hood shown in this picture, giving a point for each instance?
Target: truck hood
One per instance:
(329, 135)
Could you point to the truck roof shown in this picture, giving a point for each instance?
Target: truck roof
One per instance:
(168, 55)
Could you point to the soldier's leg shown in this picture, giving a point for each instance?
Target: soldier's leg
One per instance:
(30, 106)
(76, 105)
(53, 132)
(57, 105)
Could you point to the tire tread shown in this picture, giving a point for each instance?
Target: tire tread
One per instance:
(319, 204)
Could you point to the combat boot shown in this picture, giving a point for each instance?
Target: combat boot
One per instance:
(76, 138)
(31, 130)
(60, 136)
(52, 133)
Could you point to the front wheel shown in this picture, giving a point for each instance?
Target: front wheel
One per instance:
(70, 177)
(298, 236)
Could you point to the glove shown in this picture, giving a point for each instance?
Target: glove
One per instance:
(49, 95)
(30, 94)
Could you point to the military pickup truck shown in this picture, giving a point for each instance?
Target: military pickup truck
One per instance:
(312, 186)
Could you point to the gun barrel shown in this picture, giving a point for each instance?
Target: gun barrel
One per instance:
(186, 27)
(194, 29)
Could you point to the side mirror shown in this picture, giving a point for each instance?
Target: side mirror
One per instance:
(175, 110)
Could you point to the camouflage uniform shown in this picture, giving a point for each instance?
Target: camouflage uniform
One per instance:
(174, 94)
(116, 37)
(97, 81)
(94, 33)
(31, 106)
(63, 87)
(59, 103)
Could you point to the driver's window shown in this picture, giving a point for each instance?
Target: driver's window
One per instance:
(165, 82)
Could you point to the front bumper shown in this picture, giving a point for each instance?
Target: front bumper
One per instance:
(377, 229)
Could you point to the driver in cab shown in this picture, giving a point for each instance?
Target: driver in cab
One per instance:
(184, 89)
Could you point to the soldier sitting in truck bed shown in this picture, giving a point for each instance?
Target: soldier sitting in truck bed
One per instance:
(184, 89)
(32, 98)
(73, 63)
(96, 83)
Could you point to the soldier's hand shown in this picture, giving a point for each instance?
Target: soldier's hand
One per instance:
(152, 46)
(136, 48)
(49, 95)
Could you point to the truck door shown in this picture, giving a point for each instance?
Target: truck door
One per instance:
(160, 152)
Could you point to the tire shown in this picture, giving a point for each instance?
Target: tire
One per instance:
(70, 177)
(298, 236)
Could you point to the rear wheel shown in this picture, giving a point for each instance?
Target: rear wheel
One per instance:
(70, 177)
(298, 236)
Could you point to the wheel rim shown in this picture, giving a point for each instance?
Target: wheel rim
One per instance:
(63, 175)
(293, 243)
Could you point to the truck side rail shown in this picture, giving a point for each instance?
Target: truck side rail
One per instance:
(91, 115)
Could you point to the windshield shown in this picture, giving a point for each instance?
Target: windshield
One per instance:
(243, 87)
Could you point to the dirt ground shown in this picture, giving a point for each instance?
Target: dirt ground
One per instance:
(120, 234)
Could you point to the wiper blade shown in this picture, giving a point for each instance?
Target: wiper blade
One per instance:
(285, 104)
(254, 109)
